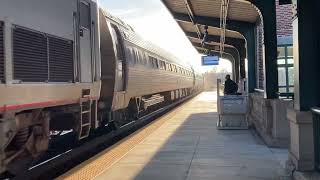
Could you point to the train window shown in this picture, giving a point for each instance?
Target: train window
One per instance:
(143, 59)
(162, 64)
(140, 57)
(168, 67)
(149, 62)
(154, 62)
(174, 68)
(128, 51)
(137, 57)
(118, 42)
(132, 58)
(85, 15)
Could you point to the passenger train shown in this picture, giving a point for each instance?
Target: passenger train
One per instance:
(71, 66)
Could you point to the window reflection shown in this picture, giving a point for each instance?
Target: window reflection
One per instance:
(285, 69)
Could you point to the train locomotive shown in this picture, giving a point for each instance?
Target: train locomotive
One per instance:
(71, 66)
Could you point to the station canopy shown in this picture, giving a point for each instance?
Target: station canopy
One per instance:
(193, 15)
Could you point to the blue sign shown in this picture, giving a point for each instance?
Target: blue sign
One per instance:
(210, 60)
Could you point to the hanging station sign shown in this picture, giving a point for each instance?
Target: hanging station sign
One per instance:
(210, 60)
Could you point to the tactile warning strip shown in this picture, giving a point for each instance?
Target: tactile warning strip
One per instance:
(105, 159)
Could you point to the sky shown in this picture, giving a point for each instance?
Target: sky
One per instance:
(152, 21)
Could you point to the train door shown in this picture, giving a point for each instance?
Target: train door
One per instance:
(85, 42)
(120, 60)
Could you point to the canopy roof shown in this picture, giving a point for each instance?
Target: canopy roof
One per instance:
(193, 15)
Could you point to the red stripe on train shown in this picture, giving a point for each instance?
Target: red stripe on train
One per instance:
(40, 104)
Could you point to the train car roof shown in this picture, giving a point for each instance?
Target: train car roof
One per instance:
(131, 36)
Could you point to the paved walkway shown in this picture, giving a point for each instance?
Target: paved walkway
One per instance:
(188, 146)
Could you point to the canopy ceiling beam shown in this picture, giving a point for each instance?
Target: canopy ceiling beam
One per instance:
(192, 15)
(214, 47)
(216, 38)
(211, 21)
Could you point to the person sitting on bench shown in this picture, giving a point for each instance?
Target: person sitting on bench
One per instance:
(230, 87)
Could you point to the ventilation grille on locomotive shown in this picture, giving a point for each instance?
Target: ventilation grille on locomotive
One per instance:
(30, 54)
(1, 52)
(60, 60)
(39, 57)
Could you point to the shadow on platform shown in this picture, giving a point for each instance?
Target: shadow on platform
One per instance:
(188, 146)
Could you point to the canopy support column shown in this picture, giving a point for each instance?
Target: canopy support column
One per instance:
(304, 152)
(268, 12)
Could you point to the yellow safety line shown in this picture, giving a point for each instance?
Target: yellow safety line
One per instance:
(105, 159)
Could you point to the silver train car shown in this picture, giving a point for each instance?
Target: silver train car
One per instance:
(71, 66)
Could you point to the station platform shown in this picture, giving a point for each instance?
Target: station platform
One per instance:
(185, 144)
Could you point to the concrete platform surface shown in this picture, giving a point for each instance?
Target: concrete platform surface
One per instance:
(187, 146)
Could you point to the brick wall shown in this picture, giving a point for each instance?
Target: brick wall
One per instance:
(284, 19)
(284, 28)
(259, 55)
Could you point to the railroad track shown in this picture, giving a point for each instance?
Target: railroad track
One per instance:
(61, 163)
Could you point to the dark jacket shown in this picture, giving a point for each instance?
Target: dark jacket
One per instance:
(230, 87)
